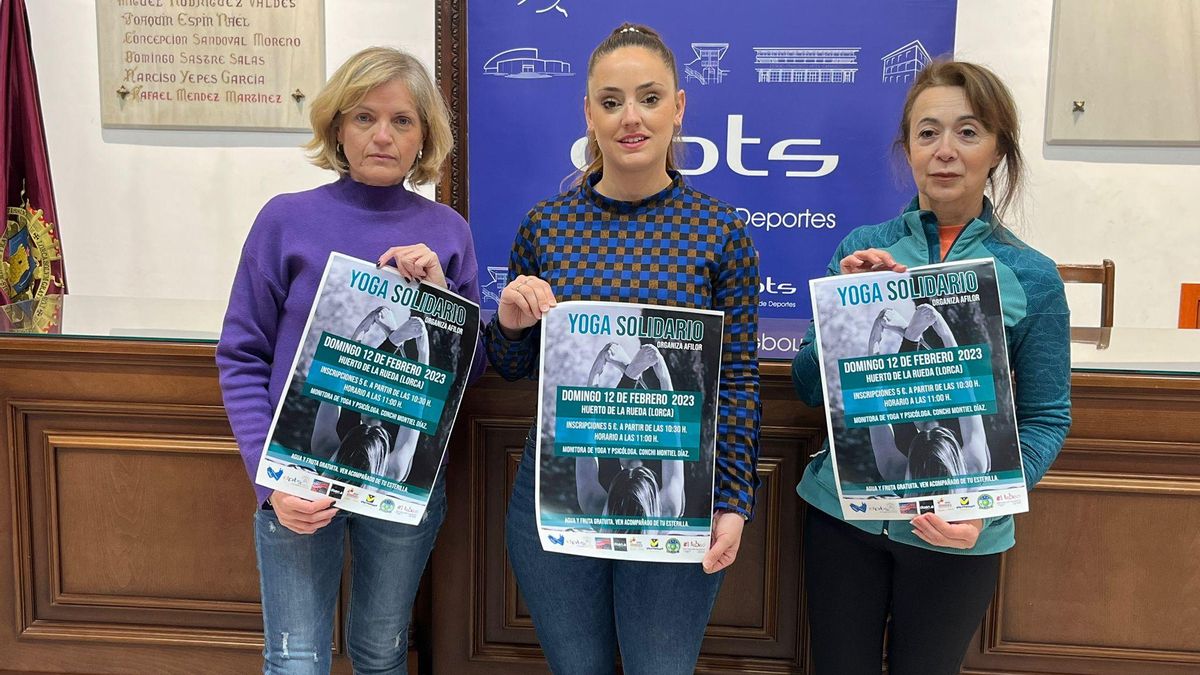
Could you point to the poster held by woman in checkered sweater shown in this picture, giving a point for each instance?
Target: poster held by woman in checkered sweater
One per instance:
(627, 430)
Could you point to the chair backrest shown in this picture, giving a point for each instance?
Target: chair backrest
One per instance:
(1103, 274)
(1189, 305)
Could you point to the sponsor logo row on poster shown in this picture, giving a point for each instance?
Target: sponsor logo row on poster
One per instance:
(303, 478)
(631, 542)
(970, 503)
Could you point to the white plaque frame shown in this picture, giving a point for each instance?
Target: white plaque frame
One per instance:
(252, 65)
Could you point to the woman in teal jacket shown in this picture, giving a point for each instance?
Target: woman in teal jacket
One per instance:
(930, 578)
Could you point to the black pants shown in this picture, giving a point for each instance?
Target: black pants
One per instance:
(855, 581)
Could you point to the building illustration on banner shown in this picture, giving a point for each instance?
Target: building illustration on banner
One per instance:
(903, 64)
(706, 68)
(792, 65)
(491, 290)
(554, 5)
(525, 63)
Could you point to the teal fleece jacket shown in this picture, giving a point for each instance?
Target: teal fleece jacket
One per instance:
(1037, 325)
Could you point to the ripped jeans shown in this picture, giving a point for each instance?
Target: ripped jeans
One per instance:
(300, 576)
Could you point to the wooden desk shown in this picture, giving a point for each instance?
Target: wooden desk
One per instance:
(126, 536)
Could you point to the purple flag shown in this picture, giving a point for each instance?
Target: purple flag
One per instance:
(31, 255)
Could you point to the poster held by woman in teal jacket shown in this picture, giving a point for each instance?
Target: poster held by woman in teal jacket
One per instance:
(919, 395)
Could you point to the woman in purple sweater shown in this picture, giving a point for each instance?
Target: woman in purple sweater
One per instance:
(378, 122)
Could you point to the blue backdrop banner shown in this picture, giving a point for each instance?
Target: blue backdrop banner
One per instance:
(791, 113)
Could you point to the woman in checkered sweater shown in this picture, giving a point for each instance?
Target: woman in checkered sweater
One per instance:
(633, 231)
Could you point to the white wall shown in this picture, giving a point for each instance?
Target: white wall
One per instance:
(1086, 204)
(163, 214)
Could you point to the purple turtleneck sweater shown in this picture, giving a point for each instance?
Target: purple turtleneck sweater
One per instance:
(277, 278)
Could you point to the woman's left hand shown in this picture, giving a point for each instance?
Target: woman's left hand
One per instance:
(384, 317)
(615, 354)
(932, 529)
(646, 356)
(416, 262)
(726, 539)
(408, 330)
(923, 317)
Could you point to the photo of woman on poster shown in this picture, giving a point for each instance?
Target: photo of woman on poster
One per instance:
(935, 450)
(360, 442)
(632, 370)
(633, 482)
(635, 490)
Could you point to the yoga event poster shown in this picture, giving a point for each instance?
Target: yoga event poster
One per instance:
(627, 430)
(918, 393)
(373, 392)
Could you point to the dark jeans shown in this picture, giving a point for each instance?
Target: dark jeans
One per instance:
(300, 575)
(583, 608)
(855, 581)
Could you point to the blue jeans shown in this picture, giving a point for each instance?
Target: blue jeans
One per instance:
(300, 575)
(583, 608)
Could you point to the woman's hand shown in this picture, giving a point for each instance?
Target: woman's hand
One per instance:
(523, 302)
(726, 540)
(301, 515)
(870, 260)
(386, 318)
(381, 316)
(923, 317)
(890, 319)
(416, 262)
(615, 354)
(412, 328)
(647, 355)
(932, 529)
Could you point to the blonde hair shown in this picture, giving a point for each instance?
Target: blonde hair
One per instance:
(348, 87)
(629, 35)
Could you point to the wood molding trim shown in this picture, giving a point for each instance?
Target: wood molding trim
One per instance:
(450, 31)
(26, 352)
(482, 430)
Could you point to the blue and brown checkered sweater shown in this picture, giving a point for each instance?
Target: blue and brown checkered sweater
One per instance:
(678, 247)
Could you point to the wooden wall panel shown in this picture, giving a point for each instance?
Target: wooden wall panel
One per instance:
(115, 558)
(125, 514)
(1110, 562)
(1103, 579)
(125, 503)
(164, 550)
(756, 621)
(127, 548)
